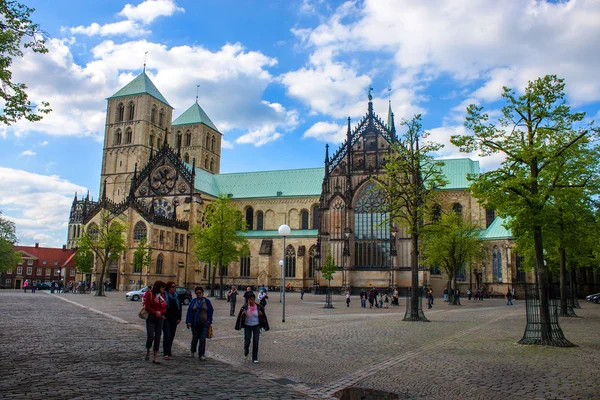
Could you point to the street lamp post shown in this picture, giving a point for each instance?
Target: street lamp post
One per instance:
(281, 266)
(284, 230)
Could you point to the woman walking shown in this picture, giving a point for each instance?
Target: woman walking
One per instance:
(172, 319)
(252, 318)
(262, 298)
(199, 317)
(155, 304)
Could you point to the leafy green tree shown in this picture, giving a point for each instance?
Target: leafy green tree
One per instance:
(18, 31)
(142, 257)
(452, 243)
(84, 260)
(8, 238)
(220, 242)
(328, 269)
(106, 242)
(411, 183)
(537, 134)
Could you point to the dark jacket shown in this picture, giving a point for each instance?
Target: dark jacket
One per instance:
(262, 321)
(173, 312)
(194, 318)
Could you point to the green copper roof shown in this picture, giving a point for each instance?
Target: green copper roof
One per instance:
(139, 85)
(496, 231)
(194, 115)
(246, 185)
(456, 171)
(297, 233)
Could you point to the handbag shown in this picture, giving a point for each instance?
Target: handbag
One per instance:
(143, 314)
(209, 333)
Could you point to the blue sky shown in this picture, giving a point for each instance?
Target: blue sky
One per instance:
(278, 78)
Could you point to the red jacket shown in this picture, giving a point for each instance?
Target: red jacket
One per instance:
(153, 303)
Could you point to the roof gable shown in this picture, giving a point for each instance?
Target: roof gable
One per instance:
(141, 84)
(194, 115)
(456, 171)
(496, 230)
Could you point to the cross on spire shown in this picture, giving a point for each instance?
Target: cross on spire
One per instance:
(145, 59)
(197, 90)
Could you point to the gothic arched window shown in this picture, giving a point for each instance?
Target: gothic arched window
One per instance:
(118, 137)
(128, 135)
(490, 215)
(161, 115)
(186, 158)
(159, 264)
(92, 231)
(207, 140)
(312, 261)
(457, 208)
(131, 111)
(188, 138)
(139, 231)
(206, 163)
(153, 115)
(179, 138)
(212, 165)
(212, 146)
(371, 227)
(290, 262)
(120, 112)
(315, 218)
(304, 219)
(259, 220)
(245, 266)
(250, 218)
(497, 264)
(151, 139)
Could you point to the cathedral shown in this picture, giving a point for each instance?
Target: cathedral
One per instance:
(158, 174)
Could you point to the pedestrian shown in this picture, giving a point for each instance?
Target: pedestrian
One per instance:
(347, 299)
(262, 298)
(25, 285)
(396, 298)
(478, 294)
(94, 286)
(71, 286)
(514, 293)
(371, 298)
(458, 297)
(198, 318)
(509, 298)
(248, 293)
(363, 298)
(154, 302)
(431, 295)
(172, 319)
(446, 295)
(429, 300)
(301, 294)
(469, 294)
(52, 287)
(386, 301)
(33, 287)
(380, 301)
(252, 318)
(232, 298)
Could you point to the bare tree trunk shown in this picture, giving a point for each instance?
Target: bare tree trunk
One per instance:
(563, 282)
(221, 280)
(545, 327)
(100, 283)
(574, 286)
(415, 277)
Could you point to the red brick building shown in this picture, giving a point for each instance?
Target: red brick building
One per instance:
(41, 264)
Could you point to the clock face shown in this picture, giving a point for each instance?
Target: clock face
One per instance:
(163, 208)
(163, 179)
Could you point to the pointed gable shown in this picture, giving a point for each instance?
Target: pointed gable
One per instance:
(140, 85)
(194, 115)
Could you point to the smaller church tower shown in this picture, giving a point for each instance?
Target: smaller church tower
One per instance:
(79, 209)
(198, 138)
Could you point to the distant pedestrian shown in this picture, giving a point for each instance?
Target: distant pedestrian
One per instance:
(395, 298)
(302, 294)
(371, 298)
(198, 318)
(347, 299)
(172, 319)
(33, 287)
(262, 298)
(52, 287)
(363, 298)
(232, 298)
(469, 294)
(446, 295)
(252, 318)
(71, 286)
(509, 298)
(431, 295)
(478, 294)
(386, 301)
(458, 297)
(247, 293)
(154, 302)
(380, 301)
(429, 300)
(25, 285)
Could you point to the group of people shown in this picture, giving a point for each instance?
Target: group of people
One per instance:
(375, 298)
(165, 314)
(477, 295)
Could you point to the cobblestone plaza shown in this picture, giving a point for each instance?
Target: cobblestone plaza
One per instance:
(81, 346)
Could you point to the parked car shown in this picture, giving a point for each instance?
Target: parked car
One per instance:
(136, 295)
(184, 294)
(593, 297)
(42, 286)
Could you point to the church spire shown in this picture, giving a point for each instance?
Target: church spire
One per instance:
(327, 160)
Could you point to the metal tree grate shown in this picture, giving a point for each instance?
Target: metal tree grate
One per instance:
(421, 315)
(534, 330)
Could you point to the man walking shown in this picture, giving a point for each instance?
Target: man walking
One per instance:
(248, 293)
(232, 296)
(509, 298)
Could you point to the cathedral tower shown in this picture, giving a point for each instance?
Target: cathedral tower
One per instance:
(137, 118)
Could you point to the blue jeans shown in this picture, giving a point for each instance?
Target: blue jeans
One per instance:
(254, 333)
(169, 329)
(199, 338)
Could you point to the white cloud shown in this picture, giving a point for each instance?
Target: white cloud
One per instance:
(226, 144)
(149, 10)
(27, 153)
(136, 18)
(38, 204)
(44, 143)
(326, 132)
